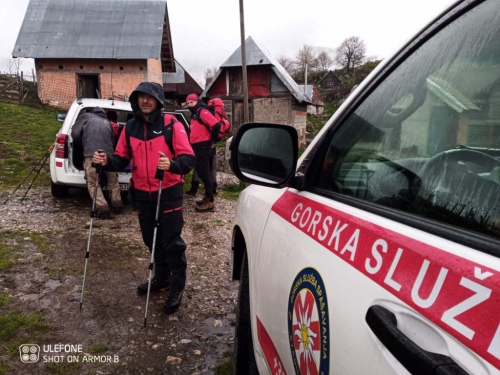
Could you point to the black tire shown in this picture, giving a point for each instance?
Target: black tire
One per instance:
(243, 355)
(59, 191)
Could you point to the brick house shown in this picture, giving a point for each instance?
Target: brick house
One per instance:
(96, 48)
(330, 82)
(273, 95)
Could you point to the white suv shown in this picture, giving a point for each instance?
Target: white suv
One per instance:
(66, 161)
(379, 252)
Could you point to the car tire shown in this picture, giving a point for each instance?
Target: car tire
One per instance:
(244, 357)
(59, 191)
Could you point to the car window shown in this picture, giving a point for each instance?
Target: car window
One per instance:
(427, 139)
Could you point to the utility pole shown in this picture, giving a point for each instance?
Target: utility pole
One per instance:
(305, 82)
(244, 64)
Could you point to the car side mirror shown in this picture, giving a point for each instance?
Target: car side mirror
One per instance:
(265, 154)
(61, 117)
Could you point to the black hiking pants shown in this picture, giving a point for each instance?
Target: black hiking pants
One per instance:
(203, 162)
(170, 258)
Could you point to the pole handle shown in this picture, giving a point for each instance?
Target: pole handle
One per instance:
(98, 166)
(159, 173)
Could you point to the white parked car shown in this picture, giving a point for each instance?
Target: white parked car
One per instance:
(66, 161)
(378, 251)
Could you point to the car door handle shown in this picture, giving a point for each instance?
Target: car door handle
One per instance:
(416, 360)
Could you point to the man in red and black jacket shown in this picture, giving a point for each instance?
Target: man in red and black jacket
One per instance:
(204, 136)
(143, 142)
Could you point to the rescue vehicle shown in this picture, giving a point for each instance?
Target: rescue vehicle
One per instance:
(377, 252)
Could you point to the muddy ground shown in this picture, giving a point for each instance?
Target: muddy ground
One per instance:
(50, 237)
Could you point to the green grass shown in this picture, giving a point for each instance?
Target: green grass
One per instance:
(15, 323)
(4, 369)
(233, 191)
(226, 367)
(97, 348)
(5, 257)
(62, 368)
(27, 132)
(4, 300)
(221, 144)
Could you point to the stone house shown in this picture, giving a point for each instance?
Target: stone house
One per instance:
(95, 49)
(273, 95)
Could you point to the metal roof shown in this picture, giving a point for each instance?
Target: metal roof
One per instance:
(123, 29)
(259, 55)
(178, 77)
(309, 90)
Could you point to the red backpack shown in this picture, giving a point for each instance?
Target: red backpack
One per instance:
(220, 115)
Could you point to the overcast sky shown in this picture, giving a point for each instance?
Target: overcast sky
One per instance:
(206, 33)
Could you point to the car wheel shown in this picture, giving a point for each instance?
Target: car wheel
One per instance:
(244, 356)
(59, 191)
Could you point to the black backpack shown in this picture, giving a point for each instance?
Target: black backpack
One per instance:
(197, 117)
(168, 132)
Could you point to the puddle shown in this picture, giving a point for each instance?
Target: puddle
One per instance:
(29, 297)
(218, 326)
(50, 302)
(53, 284)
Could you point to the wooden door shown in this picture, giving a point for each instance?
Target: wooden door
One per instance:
(88, 85)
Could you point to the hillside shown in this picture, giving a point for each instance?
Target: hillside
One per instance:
(26, 134)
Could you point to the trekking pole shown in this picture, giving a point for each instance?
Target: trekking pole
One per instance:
(92, 215)
(159, 175)
(37, 173)
(29, 174)
(47, 155)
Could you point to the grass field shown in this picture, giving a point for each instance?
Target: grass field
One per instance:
(26, 134)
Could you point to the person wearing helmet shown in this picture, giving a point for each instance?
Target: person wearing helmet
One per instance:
(153, 141)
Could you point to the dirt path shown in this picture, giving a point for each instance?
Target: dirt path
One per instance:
(50, 236)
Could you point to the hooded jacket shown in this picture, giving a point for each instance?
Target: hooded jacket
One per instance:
(93, 131)
(142, 145)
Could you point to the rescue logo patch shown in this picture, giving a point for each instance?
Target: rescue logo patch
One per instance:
(308, 324)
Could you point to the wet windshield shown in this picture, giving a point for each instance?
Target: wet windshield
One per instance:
(427, 140)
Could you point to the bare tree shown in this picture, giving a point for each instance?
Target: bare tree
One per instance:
(287, 63)
(210, 73)
(11, 65)
(324, 61)
(304, 57)
(351, 54)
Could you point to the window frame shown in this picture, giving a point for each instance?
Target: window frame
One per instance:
(312, 164)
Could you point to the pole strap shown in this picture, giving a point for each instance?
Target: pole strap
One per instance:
(150, 266)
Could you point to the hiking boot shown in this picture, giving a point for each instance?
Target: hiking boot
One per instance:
(156, 285)
(208, 206)
(105, 215)
(202, 202)
(194, 188)
(173, 302)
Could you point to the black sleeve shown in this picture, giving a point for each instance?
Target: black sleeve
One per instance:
(182, 164)
(215, 132)
(77, 130)
(115, 163)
